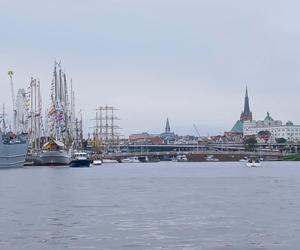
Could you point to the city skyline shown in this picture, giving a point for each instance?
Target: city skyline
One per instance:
(194, 59)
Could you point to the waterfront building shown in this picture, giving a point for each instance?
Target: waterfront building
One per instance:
(277, 129)
(145, 139)
(246, 115)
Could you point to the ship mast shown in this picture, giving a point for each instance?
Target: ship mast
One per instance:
(10, 74)
(61, 114)
(4, 128)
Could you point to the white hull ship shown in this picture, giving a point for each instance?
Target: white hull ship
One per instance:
(54, 158)
(61, 117)
(12, 151)
(54, 153)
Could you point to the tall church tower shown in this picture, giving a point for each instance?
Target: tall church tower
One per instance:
(168, 129)
(246, 114)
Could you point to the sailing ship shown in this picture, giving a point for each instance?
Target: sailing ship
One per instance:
(54, 153)
(13, 145)
(57, 151)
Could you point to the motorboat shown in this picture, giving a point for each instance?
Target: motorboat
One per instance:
(131, 160)
(80, 160)
(109, 161)
(143, 159)
(253, 163)
(97, 162)
(181, 158)
(211, 158)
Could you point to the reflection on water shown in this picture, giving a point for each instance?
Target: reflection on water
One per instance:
(151, 206)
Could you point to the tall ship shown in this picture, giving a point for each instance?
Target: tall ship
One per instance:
(54, 153)
(13, 145)
(60, 122)
(13, 150)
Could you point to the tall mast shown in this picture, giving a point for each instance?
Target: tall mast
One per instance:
(11, 73)
(35, 116)
(3, 119)
(31, 111)
(39, 113)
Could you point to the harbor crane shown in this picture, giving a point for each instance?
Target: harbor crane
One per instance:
(197, 131)
(10, 74)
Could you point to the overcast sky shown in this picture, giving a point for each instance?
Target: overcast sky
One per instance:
(188, 60)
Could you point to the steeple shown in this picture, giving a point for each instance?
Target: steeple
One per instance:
(168, 129)
(246, 114)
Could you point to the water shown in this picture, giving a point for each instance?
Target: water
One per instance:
(151, 206)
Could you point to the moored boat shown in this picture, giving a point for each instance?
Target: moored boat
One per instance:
(54, 153)
(211, 158)
(253, 163)
(97, 162)
(181, 158)
(80, 160)
(13, 149)
(109, 161)
(131, 160)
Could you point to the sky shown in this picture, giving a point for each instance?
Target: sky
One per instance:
(188, 60)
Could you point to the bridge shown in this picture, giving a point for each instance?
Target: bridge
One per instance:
(226, 147)
(194, 153)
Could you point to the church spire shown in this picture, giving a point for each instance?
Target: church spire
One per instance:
(246, 114)
(246, 106)
(168, 129)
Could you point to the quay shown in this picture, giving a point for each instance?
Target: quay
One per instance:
(198, 156)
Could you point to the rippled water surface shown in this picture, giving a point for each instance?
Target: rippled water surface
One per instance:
(151, 206)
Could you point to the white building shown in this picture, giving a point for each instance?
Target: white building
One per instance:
(289, 131)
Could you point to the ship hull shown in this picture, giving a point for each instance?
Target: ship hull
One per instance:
(80, 163)
(60, 157)
(12, 155)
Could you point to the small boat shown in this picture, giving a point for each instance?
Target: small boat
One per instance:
(253, 163)
(143, 159)
(131, 160)
(80, 160)
(109, 161)
(97, 162)
(181, 158)
(211, 158)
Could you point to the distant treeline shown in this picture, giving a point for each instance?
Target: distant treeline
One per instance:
(292, 157)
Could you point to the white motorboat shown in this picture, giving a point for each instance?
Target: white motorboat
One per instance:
(181, 158)
(131, 160)
(211, 158)
(253, 163)
(97, 162)
(109, 161)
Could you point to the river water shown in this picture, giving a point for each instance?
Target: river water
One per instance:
(151, 206)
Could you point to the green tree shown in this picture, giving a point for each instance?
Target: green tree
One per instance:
(250, 143)
(281, 140)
